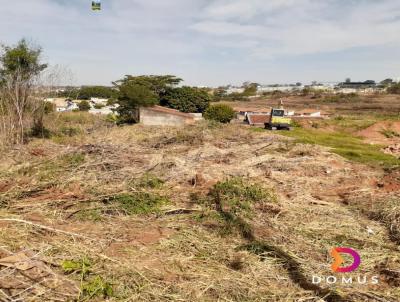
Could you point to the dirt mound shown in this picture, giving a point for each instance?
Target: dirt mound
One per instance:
(387, 132)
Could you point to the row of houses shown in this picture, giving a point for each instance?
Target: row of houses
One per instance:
(151, 116)
(97, 105)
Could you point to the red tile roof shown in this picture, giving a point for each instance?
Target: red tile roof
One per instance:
(251, 109)
(170, 111)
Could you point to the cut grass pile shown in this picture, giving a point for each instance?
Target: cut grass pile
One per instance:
(346, 145)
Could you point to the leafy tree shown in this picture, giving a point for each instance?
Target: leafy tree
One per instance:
(158, 84)
(21, 63)
(220, 93)
(250, 89)
(131, 96)
(395, 89)
(221, 113)
(20, 66)
(70, 92)
(387, 82)
(186, 99)
(84, 106)
(88, 92)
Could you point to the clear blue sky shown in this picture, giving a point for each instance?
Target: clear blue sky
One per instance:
(212, 42)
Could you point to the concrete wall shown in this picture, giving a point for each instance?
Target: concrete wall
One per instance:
(153, 118)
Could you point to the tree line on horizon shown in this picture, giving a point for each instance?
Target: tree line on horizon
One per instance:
(23, 106)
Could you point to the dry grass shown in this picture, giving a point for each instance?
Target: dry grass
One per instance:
(176, 250)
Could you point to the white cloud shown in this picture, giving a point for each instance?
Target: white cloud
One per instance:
(303, 26)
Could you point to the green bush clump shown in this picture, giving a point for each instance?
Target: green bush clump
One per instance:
(149, 181)
(81, 266)
(221, 113)
(138, 202)
(84, 106)
(97, 288)
(237, 196)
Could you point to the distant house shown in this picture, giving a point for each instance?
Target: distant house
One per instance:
(104, 110)
(62, 104)
(232, 90)
(162, 116)
(99, 101)
(368, 86)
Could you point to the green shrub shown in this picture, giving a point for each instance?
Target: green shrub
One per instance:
(221, 113)
(49, 107)
(38, 130)
(99, 106)
(395, 89)
(237, 196)
(112, 118)
(84, 106)
(97, 287)
(81, 266)
(234, 200)
(186, 99)
(149, 181)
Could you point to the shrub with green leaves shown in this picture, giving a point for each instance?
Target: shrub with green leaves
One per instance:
(84, 106)
(221, 113)
(149, 181)
(97, 287)
(186, 99)
(81, 266)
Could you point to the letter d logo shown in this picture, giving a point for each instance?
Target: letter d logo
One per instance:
(335, 253)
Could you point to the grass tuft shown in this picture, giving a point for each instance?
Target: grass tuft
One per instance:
(138, 203)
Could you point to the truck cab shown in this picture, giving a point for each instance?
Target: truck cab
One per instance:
(277, 120)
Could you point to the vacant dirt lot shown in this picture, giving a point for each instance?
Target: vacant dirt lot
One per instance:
(361, 104)
(138, 214)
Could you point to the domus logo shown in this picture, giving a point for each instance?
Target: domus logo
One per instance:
(336, 254)
(340, 265)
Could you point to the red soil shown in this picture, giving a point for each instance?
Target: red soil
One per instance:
(374, 134)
